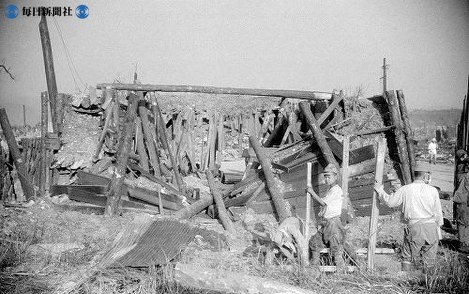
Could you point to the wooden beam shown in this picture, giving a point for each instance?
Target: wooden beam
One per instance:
(271, 182)
(307, 95)
(409, 134)
(330, 109)
(218, 199)
(161, 125)
(18, 160)
(49, 68)
(373, 228)
(142, 153)
(44, 122)
(318, 135)
(149, 139)
(400, 138)
(113, 204)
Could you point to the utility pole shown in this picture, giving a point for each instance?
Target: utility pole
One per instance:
(24, 115)
(384, 77)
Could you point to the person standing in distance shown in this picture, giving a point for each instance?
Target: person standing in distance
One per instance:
(432, 148)
(422, 214)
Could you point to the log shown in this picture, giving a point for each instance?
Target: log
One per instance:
(308, 207)
(49, 69)
(409, 134)
(218, 199)
(221, 139)
(281, 120)
(113, 204)
(189, 211)
(318, 135)
(142, 153)
(150, 141)
(44, 122)
(271, 182)
(18, 160)
(307, 95)
(240, 133)
(164, 140)
(400, 138)
(224, 281)
(373, 228)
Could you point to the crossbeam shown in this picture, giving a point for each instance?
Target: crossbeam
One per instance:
(307, 95)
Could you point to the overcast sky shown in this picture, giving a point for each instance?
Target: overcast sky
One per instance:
(304, 45)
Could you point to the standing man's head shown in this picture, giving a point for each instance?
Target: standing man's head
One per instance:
(422, 172)
(461, 154)
(330, 174)
(434, 140)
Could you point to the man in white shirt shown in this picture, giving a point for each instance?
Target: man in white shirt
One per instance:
(330, 232)
(422, 215)
(432, 147)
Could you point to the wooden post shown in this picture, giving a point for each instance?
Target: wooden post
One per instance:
(278, 126)
(374, 208)
(160, 201)
(318, 135)
(154, 159)
(409, 134)
(113, 203)
(107, 122)
(330, 109)
(308, 205)
(24, 115)
(347, 209)
(44, 121)
(221, 138)
(164, 140)
(18, 160)
(218, 199)
(272, 183)
(240, 134)
(142, 153)
(212, 149)
(49, 68)
(400, 139)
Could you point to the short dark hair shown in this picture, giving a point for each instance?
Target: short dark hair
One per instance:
(419, 174)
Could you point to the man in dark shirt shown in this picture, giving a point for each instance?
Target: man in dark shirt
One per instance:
(460, 199)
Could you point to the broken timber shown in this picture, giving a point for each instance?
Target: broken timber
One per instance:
(221, 209)
(271, 182)
(308, 95)
(409, 134)
(400, 138)
(113, 205)
(18, 160)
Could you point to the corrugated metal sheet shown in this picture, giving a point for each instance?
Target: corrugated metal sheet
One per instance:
(161, 242)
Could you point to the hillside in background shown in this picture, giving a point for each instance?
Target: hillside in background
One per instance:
(443, 117)
(425, 122)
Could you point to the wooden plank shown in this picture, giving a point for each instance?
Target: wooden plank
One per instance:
(63, 189)
(373, 228)
(149, 139)
(90, 197)
(307, 95)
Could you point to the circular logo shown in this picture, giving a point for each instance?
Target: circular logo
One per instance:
(11, 11)
(82, 11)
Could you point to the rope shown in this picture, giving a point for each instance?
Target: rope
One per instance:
(70, 63)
